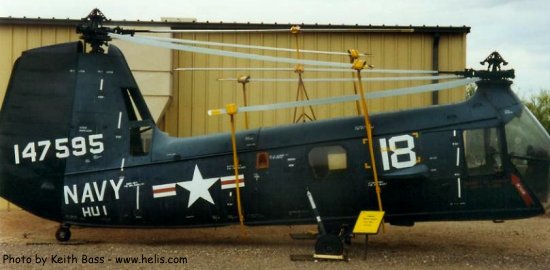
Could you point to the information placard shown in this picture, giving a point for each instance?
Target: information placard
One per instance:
(368, 222)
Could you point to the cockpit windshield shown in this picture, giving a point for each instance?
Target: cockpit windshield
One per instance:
(529, 149)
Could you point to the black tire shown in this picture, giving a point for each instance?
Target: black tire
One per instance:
(329, 245)
(63, 234)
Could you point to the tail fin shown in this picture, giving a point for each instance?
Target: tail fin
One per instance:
(37, 108)
(67, 116)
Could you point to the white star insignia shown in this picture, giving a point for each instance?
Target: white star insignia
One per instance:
(198, 187)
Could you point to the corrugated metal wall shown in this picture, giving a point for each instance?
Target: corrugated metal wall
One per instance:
(190, 94)
(197, 91)
(14, 39)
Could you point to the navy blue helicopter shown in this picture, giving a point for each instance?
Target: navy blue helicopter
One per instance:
(78, 146)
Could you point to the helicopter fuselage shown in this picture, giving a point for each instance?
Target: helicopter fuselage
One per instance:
(78, 145)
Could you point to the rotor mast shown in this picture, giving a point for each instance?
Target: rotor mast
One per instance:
(93, 32)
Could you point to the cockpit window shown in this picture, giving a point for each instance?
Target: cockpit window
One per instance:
(483, 151)
(529, 150)
(526, 137)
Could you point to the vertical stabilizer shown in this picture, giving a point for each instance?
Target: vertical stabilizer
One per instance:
(36, 111)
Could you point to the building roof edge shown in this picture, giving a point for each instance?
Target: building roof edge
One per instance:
(235, 25)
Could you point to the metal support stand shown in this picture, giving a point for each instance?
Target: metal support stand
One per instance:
(328, 246)
(301, 92)
(368, 223)
(320, 225)
(366, 246)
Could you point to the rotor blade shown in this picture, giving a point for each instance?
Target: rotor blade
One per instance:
(339, 30)
(331, 100)
(232, 45)
(168, 45)
(181, 47)
(238, 69)
(377, 79)
(374, 70)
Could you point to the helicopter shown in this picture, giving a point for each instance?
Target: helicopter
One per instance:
(80, 147)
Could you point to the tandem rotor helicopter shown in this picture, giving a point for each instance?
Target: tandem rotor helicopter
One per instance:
(71, 139)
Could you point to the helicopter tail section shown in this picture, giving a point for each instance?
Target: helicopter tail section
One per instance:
(35, 113)
(66, 113)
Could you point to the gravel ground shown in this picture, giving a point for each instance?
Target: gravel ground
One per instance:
(517, 244)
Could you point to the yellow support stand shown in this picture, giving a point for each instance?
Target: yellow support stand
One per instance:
(232, 111)
(244, 80)
(359, 65)
(301, 92)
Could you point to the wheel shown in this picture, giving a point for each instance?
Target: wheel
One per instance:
(329, 245)
(63, 234)
(346, 234)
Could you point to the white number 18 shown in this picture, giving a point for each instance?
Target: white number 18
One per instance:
(408, 161)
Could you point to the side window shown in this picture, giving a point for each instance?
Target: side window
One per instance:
(325, 159)
(140, 122)
(483, 151)
(141, 137)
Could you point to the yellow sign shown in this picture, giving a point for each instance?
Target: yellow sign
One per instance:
(368, 222)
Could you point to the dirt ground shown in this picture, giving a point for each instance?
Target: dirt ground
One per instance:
(26, 240)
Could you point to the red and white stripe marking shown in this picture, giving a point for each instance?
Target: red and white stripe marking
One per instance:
(516, 181)
(230, 182)
(166, 190)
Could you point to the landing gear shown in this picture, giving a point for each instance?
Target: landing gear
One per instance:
(329, 245)
(346, 234)
(347, 239)
(63, 233)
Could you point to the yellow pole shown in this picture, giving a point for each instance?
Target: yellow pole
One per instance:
(296, 31)
(245, 104)
(358, 65)
(232, 110)
(354, 55)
